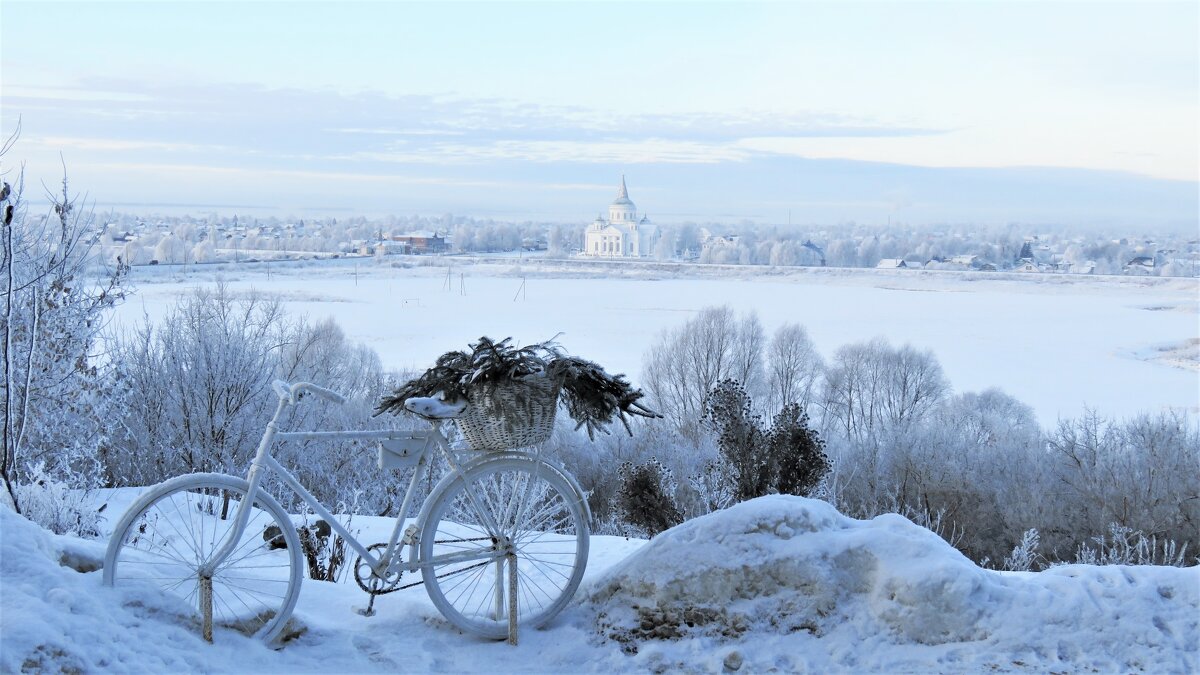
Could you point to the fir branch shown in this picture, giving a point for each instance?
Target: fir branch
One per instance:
(592, 397)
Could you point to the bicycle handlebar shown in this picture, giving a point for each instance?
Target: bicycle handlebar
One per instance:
(292, 392)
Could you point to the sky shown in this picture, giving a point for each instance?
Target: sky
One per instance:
(805, 112)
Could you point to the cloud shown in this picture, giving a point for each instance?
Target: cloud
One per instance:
(647, 151)
(114, 145)
(279, 127)
(33, 92)
(244, 144)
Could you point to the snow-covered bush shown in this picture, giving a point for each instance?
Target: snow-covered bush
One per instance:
(729, 416)
(1139, 474)
(1024, 556)
(61, 505)
(715, 487)
(974, 467)
(1126, 546)
(196, 386)
(796, 453)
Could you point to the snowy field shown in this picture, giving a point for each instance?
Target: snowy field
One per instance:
(778, 584)
(1119, 345)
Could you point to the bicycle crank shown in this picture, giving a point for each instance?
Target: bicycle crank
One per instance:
(369, 581)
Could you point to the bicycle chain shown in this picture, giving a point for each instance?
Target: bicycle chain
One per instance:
(394, 586)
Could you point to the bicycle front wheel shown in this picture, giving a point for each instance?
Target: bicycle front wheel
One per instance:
(172, 531)
(500, 512)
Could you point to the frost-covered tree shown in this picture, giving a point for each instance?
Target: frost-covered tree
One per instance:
(204, 251)
(195, 393)
(196, 386)
(133, 253)
(55, 296)
(691, 359)
(794, 368)
(872, 388)
(1139, 474)
(171, 249)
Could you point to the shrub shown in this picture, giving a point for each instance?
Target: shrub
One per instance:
(646, 498)
(324, 551)
(796, 453)
(788, 458)
(1126, 546)
(728, 413)
(1024, 556)
(56, 506)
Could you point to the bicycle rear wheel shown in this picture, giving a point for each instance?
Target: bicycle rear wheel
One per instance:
(512, 505)
(175, 528)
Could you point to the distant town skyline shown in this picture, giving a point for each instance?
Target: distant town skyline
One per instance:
(921, 112)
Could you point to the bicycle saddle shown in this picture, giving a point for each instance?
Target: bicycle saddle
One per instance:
(434, 408)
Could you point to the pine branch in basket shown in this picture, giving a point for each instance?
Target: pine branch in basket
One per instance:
(444, 377)
(491, 361)
(593, 397)
(455, 372)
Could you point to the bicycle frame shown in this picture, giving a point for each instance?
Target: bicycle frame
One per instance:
(389, 561)
(495, 508)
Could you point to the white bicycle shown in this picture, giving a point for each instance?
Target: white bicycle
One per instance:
(500, 542)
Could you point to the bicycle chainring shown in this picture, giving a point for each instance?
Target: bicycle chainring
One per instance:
(368, 581)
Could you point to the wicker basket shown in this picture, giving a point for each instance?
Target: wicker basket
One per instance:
(511, 414)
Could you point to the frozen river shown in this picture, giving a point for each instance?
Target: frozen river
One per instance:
(1059, 343)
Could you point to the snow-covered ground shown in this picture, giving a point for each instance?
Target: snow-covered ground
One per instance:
(1060, 343)
(778, 584)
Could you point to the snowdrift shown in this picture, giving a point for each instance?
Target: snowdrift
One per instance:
(57, 617)
(778, 583)
(851, 590)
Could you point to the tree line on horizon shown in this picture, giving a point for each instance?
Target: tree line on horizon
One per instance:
(960, 246)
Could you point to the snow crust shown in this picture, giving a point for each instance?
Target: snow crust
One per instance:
(776, 584)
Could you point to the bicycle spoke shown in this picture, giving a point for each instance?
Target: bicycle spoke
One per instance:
(179, 528)
(535, 510)
(184, 521)
(531, 583)
(546, 571)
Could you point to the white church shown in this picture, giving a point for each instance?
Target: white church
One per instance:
(623, 235)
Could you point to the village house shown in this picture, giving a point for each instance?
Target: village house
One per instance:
(1141, 265)
(421, 242)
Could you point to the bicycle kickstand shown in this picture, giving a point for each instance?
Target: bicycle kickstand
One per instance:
(369, 610)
